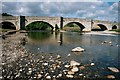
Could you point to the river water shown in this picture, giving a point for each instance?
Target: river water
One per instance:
(96, 50)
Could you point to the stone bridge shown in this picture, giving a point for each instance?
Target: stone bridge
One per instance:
(20, 22)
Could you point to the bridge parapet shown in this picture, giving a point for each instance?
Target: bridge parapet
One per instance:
(9, 17)
(76, 19)
(100, 21)
(41, 18)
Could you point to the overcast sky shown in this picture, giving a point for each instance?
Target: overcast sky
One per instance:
(93, 9)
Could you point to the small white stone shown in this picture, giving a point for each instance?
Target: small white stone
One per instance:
(48, 77)
(71, 72)
(59, 41)
(58, 56)
(69, 55)
(110, 42)
(75, 69)
(29, 68)
(74, 63)
(54, 76)
(69, 76)
(30, 72)
(39, 75)
(81, 74)
(17, 75)
(20, 70)
(78, 49)
(92, 64)
(45, 64)
(60, 75)
(117, 45)
(1, 77)
(67, 66)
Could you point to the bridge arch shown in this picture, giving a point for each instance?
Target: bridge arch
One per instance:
(81, 26)
(48, 24)
(7, 25)
(114, 27)
(99, 27)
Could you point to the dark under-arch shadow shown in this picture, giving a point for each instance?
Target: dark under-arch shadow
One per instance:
(114, 27)
(7, 25)
(44, 25)
(77, 23)
(101, 27)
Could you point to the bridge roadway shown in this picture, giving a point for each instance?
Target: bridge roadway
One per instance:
(85, 24)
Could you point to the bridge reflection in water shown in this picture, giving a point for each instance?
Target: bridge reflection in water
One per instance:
(45, 37)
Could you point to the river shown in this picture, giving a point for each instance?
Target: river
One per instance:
(101, 49)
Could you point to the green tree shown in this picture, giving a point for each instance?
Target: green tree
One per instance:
(6, 14)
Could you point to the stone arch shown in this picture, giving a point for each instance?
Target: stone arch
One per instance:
(99, 27)
(77, 23)
(41, 21)
(8, 25)
(114, 27)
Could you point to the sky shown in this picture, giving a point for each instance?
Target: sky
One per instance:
(90, 9)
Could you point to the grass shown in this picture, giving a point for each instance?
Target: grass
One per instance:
(116, 30)
(72, 29)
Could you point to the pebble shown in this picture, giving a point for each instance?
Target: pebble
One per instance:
(59, 41)
(110, 42)
(45, 64)
(78, 49)
(58, 56)
(67, 66)
(71, 72)
(92, 64)
(60, 75)
(82, 67)
(81, 74)
(39, 76)
(69, 55)
(75, 69)
(113, 69)
(111, 76)
(105, 41)
(74, 63)
(69, 76)
(48, 77)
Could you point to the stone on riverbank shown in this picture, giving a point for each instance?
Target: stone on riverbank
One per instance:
(78, 49)
(74, 63)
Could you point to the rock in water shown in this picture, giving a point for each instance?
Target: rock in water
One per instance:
(74, 63)
(58, 56)
(78, 49)
(92, 64)
(113, 69)
(110, 76)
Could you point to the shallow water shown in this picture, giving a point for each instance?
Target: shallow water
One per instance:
(96, 51)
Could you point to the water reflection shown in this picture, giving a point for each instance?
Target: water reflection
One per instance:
(61, 38)
(39, 36)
